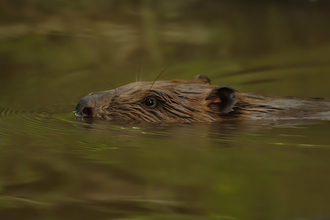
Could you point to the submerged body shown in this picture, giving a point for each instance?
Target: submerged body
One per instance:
(195, 100)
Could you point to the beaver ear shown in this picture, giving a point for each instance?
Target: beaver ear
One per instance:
(224, 98)
(203, 78)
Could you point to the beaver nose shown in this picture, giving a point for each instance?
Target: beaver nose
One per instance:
(86, 112)
(84, 108)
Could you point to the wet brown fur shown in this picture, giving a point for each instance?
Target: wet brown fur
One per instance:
(186, 101)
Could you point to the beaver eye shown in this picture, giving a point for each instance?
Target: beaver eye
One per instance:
(150, 102)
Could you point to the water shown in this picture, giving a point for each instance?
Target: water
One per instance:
(55, 166)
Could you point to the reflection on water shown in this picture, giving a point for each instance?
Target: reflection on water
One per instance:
(54, 166)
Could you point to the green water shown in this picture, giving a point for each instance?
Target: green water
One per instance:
(54, 166)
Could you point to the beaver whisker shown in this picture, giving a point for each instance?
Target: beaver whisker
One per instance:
(159, 76)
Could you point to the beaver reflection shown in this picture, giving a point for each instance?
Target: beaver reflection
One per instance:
(195, 100)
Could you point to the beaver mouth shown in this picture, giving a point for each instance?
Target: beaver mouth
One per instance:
(76, 113)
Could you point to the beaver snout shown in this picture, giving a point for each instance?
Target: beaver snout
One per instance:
(90, 105)
(85, 108)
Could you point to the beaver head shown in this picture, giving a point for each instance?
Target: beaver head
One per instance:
(162, 101)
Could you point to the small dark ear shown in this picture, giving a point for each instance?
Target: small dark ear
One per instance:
(224, 98)
(203, 78)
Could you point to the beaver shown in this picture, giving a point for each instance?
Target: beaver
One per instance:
(196, 100)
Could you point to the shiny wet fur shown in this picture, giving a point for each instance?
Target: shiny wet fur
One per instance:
(196, 100)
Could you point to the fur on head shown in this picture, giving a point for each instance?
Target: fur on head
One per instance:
(166, 101)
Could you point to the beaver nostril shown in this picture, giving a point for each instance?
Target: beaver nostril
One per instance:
(88, 112)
